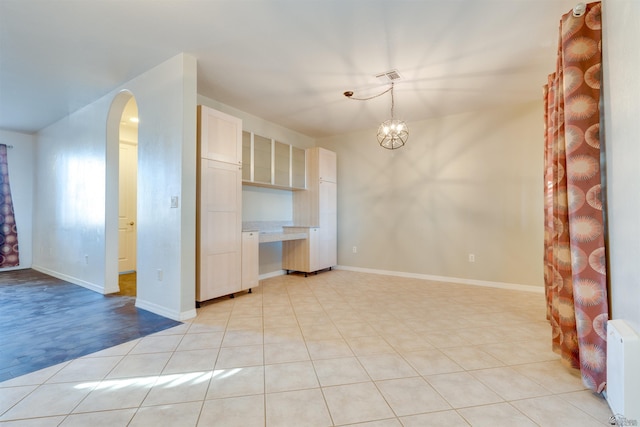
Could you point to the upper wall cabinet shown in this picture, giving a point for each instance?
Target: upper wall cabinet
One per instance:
(281, 164)
(327, 166)
(216, 129)
(247, 164)
(270, 163)
(298, 174)
(262, 167)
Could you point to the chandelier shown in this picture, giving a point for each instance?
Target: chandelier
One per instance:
(392, 133)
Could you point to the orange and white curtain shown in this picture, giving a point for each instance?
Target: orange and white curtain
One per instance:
(575, 258)
(9, 254)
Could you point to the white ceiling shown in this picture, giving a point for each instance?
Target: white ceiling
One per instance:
(287, 61)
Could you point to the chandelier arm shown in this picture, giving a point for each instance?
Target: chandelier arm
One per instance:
(392, 134)
(371, 97)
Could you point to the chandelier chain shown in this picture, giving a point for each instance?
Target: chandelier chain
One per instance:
(392, 101)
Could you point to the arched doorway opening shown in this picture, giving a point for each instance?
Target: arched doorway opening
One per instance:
(121, 192)
(127, 198)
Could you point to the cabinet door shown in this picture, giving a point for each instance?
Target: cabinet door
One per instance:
(328, 225)
(220, 135)
(281, 164)
(261, 159)
(247, 154)
(250, 262)
(327, 165)
(298, 179)
(315, 257)
(220, 227)
(327, 253)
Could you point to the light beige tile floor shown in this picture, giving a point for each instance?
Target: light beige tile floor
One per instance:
(337, 348)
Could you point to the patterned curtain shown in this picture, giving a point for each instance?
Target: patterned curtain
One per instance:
(574, 256)
(9, 256)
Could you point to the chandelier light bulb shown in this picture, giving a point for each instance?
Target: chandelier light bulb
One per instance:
(392, 134)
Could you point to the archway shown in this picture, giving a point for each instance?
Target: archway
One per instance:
(120, 107)
(127, 198)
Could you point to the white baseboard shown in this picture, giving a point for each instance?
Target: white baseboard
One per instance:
(91, 286)
(272, 274)
(164, 312)
(19, 267)
(186, 315)
(512, 286)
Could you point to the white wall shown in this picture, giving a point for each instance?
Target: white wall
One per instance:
(71, 226)
(69, 210)
(20, 160)
(463, 184)
(621, 71)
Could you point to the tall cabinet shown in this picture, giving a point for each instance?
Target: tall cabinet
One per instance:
(219, 205)
(315, 212)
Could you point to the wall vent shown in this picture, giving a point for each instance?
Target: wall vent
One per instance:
(389, 76)
(623, 371)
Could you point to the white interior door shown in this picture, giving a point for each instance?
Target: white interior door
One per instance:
(127, 207)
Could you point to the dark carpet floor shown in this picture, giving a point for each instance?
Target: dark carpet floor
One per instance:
(45, 321)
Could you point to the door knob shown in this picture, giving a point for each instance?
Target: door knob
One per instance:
(131, 223)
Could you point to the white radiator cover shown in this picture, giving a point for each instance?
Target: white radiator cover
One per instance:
(623, 370)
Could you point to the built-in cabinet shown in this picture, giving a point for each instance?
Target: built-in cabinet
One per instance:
(218, 136)
(315, 211)
(270, 163)
(302, 255)
(219, 205)
(227, 258)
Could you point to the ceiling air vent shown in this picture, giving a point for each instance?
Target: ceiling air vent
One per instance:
(389, 76)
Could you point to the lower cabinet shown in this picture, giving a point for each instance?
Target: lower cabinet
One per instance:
(302, 255)
(250, 263)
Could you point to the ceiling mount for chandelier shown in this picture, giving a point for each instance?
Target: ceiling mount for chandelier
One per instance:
(392, 133)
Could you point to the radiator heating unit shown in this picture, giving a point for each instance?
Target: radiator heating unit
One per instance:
(623, 371)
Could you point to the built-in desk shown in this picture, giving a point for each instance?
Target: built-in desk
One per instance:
(280, 236)
(274, 231)
(266, 232)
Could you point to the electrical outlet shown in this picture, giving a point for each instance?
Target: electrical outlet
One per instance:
(86, 259)
(174, 201)
(472, 258)
(159, 275)
(355, 249)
